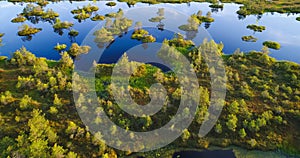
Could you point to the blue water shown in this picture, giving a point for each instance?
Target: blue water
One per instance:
(205, 154)
(227, 28)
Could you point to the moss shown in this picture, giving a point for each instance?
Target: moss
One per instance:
(256, 28)
(249, 38)
(98, 18)
(272, 44)
(18, 19)
(111, 4)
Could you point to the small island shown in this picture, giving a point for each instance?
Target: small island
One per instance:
(111, 4)
(26, 30)
(143, 35)
(249, 39)
(256, 28)
(73, 33)
(62, 24)
(272, 45)
(60, 47)
(18, 19)
(88, 9)
(98, 18)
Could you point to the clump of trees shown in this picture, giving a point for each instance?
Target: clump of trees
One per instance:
(272, 44)
(76, 50)
(18, 19)
(249, 38)
(62, 24)
(50, 15)
(98, 17)
(73, 33)
(88, 9)
(111, 4)
(143, 35)
(256, 28)
(26, 30)
(60, 47)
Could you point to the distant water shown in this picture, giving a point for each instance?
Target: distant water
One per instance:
(227, 28)
(205, 154)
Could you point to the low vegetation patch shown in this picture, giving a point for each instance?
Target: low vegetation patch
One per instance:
(272, 44)
(26, 30)
(143, 35)
(98, 18)
(256, 28)
(249, 38)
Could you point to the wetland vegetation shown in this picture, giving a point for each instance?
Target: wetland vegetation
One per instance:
(39, 119)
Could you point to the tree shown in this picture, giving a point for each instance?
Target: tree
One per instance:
(76, 50)
(57, 151)
(138, 25)
(57, 101)
(65, 61)
(218, 128)
(25, 102)
(185, 135)
(40, 66)
(232, 122)
(6, 98)
(242, 133)
(233, 108)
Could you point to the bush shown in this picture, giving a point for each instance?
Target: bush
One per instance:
(272, 45)
(298, 18)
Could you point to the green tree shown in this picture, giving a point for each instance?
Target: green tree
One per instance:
(25, 102)
(242, 133)
(57, 101)
(185, 135)
(233, 108)
(76, 50)
(218, 128)
(232, 122)
(58, 151)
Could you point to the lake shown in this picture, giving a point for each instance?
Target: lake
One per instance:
(227, 28)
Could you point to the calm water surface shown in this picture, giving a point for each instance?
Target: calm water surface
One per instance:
(227, 28)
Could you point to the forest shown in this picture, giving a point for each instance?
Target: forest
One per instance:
(38, 112)
(39, 119)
